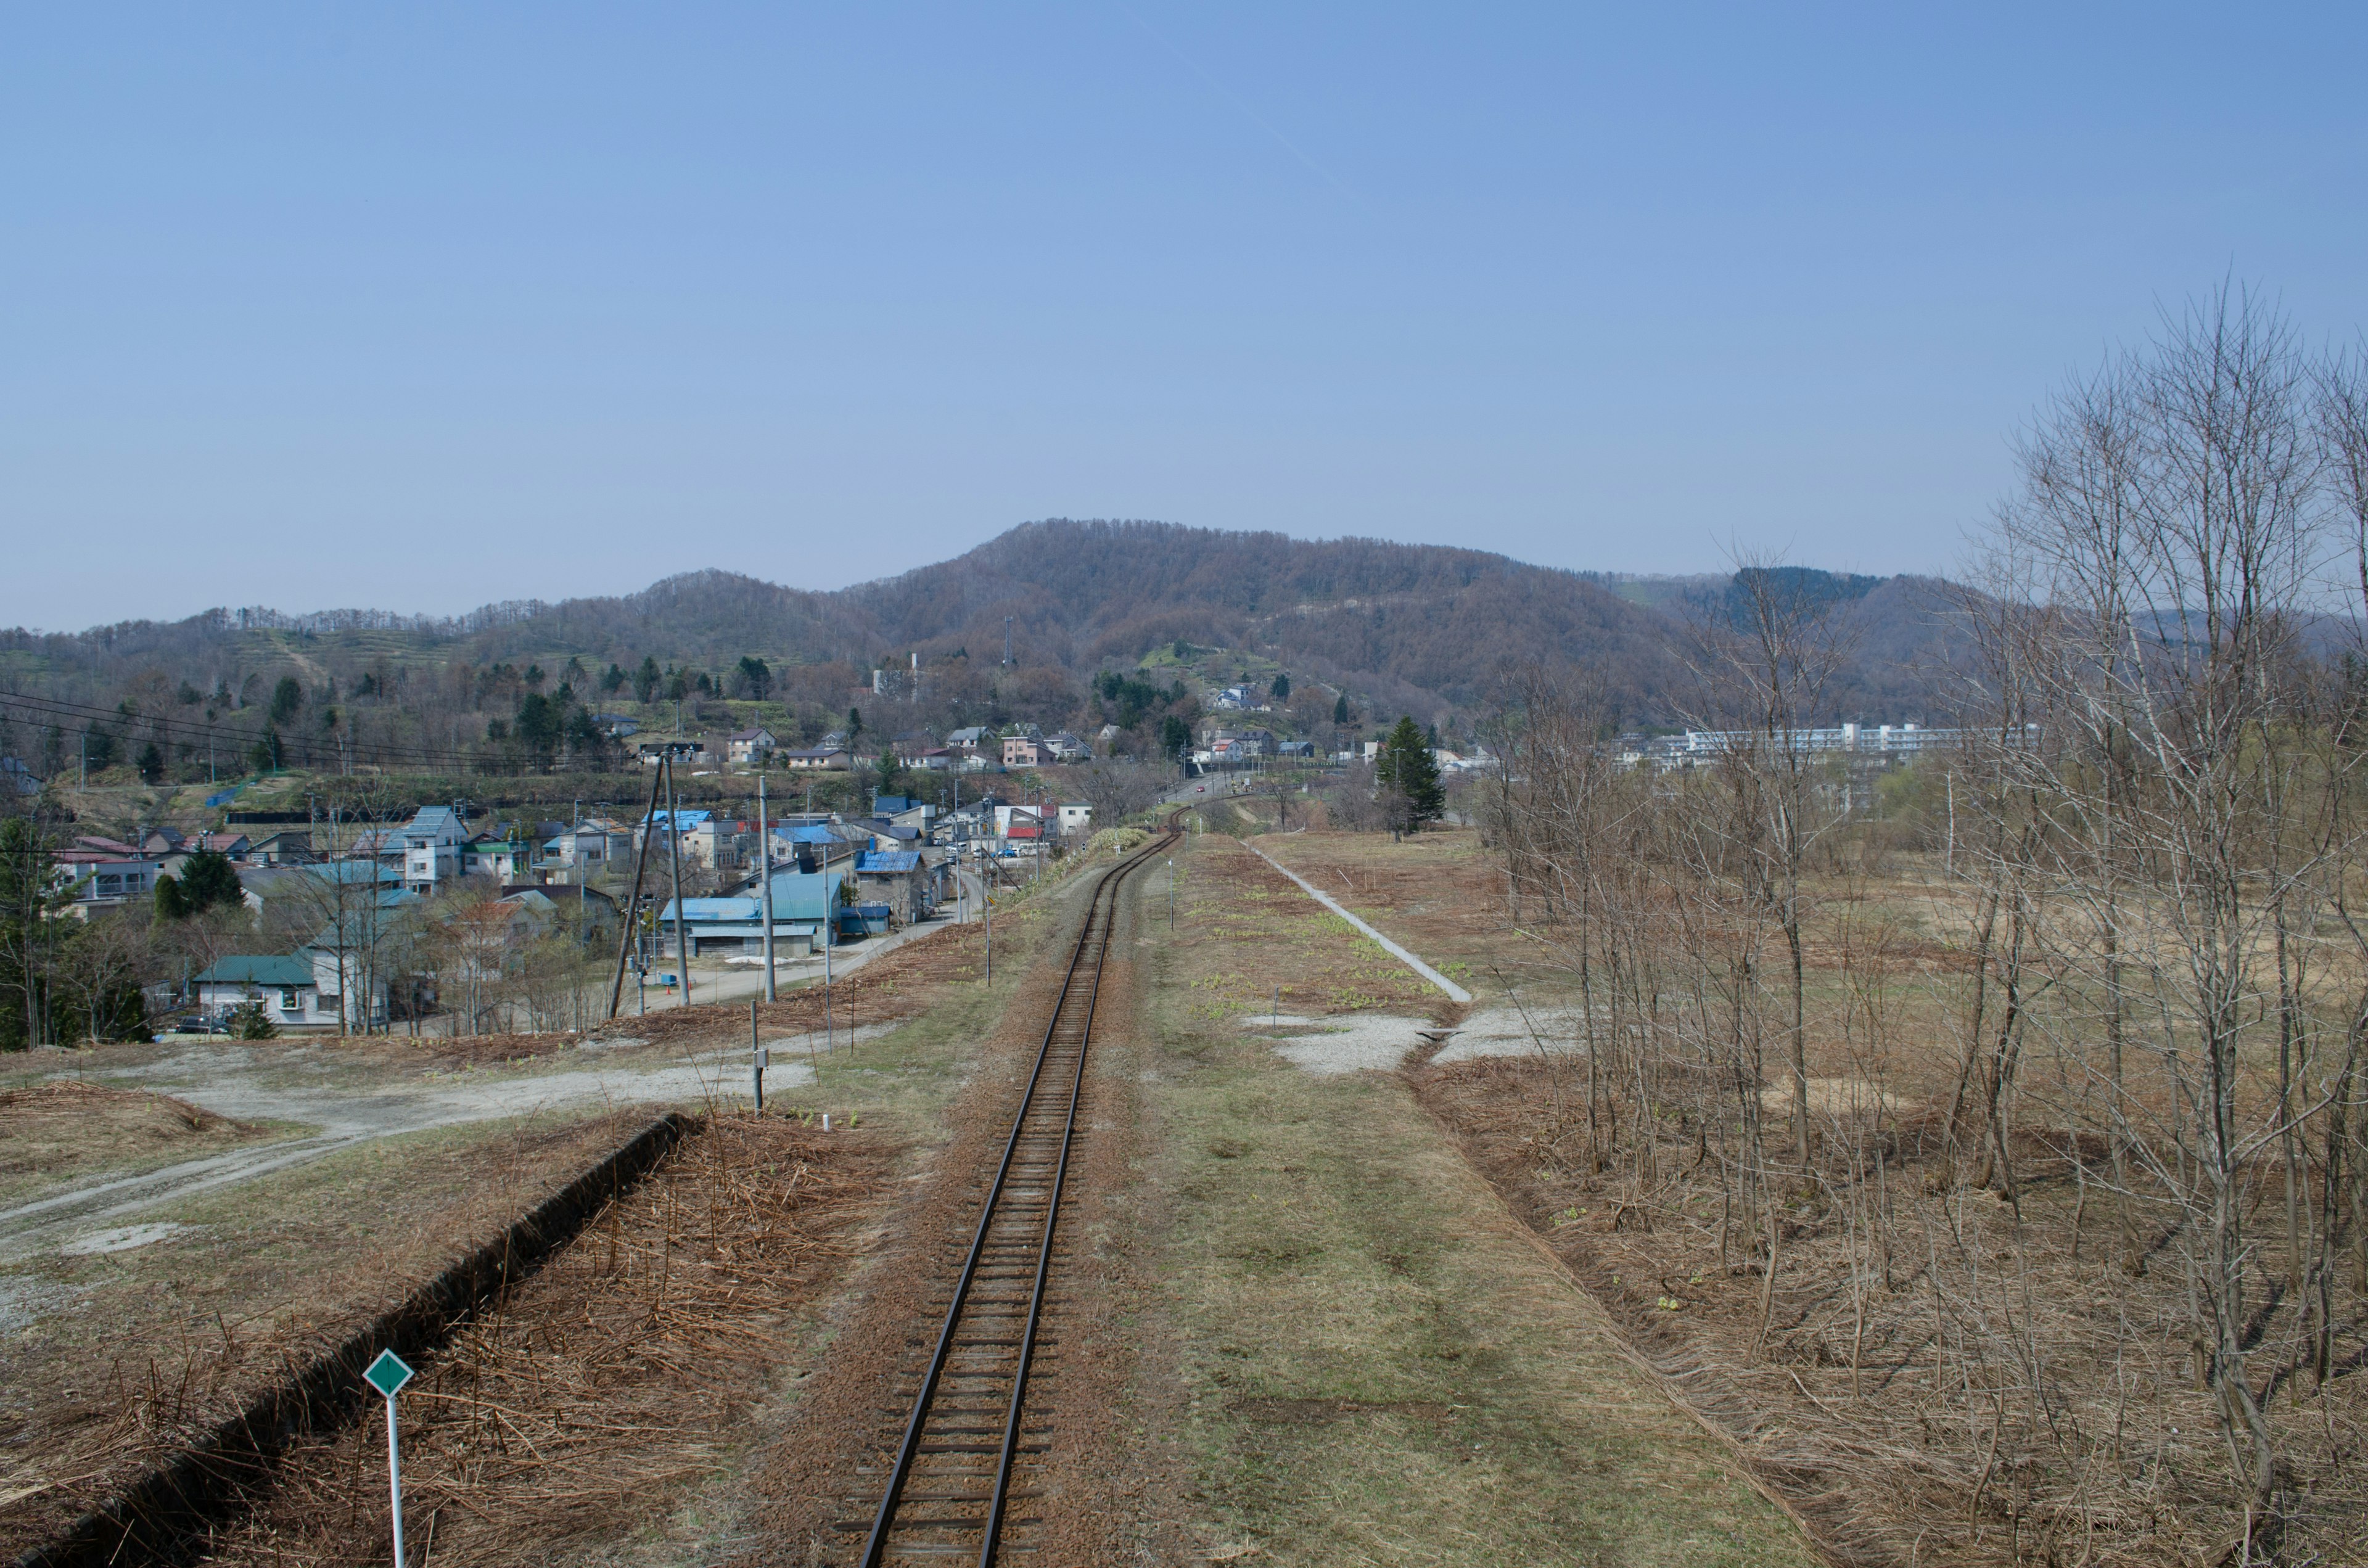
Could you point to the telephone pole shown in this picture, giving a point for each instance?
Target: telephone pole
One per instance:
(674, 856)
(765, 869)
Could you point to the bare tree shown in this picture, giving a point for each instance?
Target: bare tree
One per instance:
(1769, 653)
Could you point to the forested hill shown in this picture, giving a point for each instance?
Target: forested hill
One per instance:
(1365, 613)
(1406, 627)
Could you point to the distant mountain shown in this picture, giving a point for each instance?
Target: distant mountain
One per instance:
(1424, 628)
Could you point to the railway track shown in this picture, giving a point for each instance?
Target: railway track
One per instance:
(963, 1481)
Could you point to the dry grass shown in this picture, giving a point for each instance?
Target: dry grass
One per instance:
(52, 1133)
(1376, 1364)
(1935, 1374)
(592, 1406)
(134, 1352)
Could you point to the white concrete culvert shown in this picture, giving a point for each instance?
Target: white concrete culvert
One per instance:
(1358, 1042)
(1352, 1043)
(1507, 1032)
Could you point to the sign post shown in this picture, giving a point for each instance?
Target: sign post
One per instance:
(388, 1374)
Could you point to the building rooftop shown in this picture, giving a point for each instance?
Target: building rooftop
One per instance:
(256, 971)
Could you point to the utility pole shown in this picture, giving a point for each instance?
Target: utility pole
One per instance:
(765, 870)
(674, 856)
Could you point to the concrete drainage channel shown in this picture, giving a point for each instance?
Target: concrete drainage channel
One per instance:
(162, 1516)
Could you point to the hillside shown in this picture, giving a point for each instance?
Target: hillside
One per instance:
(1426, 630)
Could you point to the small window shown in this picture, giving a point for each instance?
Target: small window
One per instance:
(288, 1000)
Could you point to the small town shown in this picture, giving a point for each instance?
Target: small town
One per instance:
(1177, 786)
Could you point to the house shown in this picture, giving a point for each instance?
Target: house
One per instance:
(816, 846)
(653, 828)
(308, 989)
(322, 886)
(586, 849)
(94, 844)
(915, 748)
(616, 725)
(817, 760)
(898, 879)
(590, 914)
(802, 904)
(1077, 817)
(747, 748)
(1066, 747)
(1295, 749)
(690, 749)
(291, 849)
(968, 740)
(904, 811)
(719, 843)
(358, 953)
(285, 986)
(1107, 733)
(432, 847)
(102, 881)
(160, 841)
(1024, 751)
(504, 858)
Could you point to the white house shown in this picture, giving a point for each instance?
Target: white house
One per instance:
(301, 990)
(432, 848)
(748, 747)
(1077, 817)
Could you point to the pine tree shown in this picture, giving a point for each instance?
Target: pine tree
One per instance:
(1408, 777)
(209, 881)
(1340, 708)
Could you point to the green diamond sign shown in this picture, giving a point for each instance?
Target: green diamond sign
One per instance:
(388, 1373)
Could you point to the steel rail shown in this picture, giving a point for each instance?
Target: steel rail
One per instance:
(1100, 921)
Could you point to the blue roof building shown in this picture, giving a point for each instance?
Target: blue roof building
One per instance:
(802, 902)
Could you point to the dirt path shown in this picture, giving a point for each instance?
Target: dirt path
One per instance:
(230, 1081)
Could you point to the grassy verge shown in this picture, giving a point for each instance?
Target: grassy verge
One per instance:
(1376, 1364)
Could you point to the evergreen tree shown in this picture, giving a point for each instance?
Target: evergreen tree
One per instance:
(152, 764)
(1281, 689)
(1408, 777)
(645, 679)
(1340, 708)
(208, 881)
(286, 698)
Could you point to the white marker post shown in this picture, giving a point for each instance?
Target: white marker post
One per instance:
(388, 1374)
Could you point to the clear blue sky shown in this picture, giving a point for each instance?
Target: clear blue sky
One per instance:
(418, 307)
